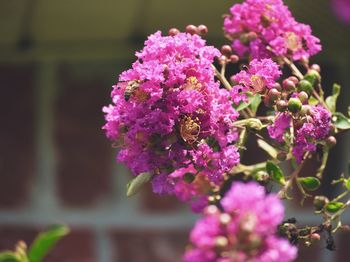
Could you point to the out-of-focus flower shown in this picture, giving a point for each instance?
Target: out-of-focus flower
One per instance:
(244, 231)
(266, 28)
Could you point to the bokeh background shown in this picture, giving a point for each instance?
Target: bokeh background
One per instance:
(58, 60)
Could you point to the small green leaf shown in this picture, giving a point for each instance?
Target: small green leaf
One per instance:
(331, 101)
(347, 183)
(45, 241)
(340, 121)
(251, 99)
(253, 123)
(309, 183)
(313, 101)
(267, 147)
(136, 183)
(255, 102)
(333, 207)
(275, 173)
(9, 256)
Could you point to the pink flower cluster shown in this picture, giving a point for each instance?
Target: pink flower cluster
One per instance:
(266, 28)
(261, 74)
(168, 112)
(244, 231)
(315, 129)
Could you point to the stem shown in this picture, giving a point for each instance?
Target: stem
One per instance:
(222, 78)
(323, 163)
(341, 196)
(293, 67)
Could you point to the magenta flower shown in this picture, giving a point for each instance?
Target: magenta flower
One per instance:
(279, 127)
(260, 74)
(310, 133)
(245, 230)
(266, 28)
(168, 108)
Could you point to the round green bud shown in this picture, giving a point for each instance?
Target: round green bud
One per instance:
(294, 105)
(261, 176)
(313, 76)
(305, 110)
(305, 85)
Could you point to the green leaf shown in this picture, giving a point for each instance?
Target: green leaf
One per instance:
(340, 121)
(347, 183)
(309, 183)
(255, 102)
(251, 99)
(331, 101)
(136, 183)
(9, 256)
(313, 101)
(267, 147)
(45, 241)
(333, 207)
(275, 173)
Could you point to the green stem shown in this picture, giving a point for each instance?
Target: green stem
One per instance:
(222, 78)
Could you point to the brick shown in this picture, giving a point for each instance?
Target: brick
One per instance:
(16, 133)
(312, 253)
(149, 246)
(342, 252)
(78, 246)
(11, 234)
(84, 155)
(151, 202)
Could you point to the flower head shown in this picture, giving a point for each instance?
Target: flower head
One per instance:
(168, 107)
(243, 231)
(266, 28)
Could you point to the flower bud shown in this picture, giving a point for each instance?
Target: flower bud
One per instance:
(281, 156)
(277, 86)
(331, 141)
(320, 202)
(282, 105)
(173, 31)
(314, 237)
(305, 110)
(273, 94)
(305, 85)
(226, 50)
(202, 29)
(234, 59)
(303, 96)
(222, 60)
(313, 76)
(316, 67)
(191, 29)
(252, 36)
(294, 105)
(221, 241)
(288, 85)
(261, 176)
(211, 210)
(294, 79)
(244, 39)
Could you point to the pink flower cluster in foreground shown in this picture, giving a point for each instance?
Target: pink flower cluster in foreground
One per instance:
(244, 231)
(169, 113)
(255, 25)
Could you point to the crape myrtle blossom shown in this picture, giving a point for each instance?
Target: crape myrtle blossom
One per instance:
(169, 113)
(255, 24)
(258, 77)
(315, 129)
(244, 230)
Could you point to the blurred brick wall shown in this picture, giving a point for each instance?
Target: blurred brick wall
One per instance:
(56, 166)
